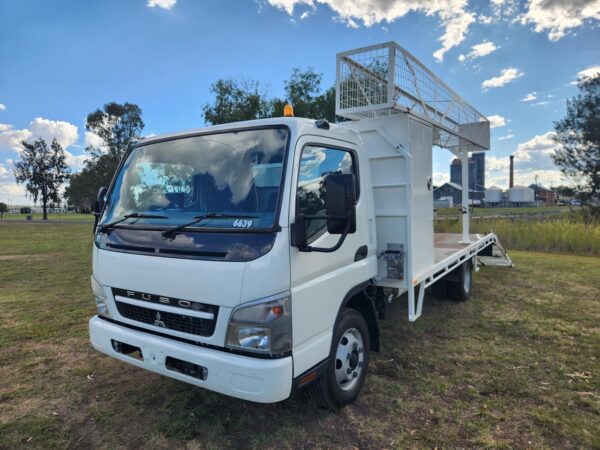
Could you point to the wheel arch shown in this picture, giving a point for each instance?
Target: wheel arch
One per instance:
(359, 299)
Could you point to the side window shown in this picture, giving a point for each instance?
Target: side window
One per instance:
(315, 164)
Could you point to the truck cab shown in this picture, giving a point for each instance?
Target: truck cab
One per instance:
(198, 275)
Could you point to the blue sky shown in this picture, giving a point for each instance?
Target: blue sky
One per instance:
(61, 59)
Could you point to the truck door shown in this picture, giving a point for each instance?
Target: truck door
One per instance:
(320, 281)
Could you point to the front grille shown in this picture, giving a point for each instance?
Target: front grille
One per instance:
(171, 321)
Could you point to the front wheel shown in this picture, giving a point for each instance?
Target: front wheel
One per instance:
(347, 365)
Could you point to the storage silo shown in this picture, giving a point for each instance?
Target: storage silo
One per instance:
(493, 196)
(521, 195)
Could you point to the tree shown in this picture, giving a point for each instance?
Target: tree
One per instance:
(119, 128)
(81, 191)
(3, 209)
(565, 191)
(578, 135)
(43, 170)
(236, 100)
(304, 93)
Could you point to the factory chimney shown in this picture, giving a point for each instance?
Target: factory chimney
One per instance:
(511, 180)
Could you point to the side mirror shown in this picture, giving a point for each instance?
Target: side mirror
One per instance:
(99, 205)
(100, 199)
(340, 201)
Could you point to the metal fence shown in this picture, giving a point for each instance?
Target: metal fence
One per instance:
(385, 79)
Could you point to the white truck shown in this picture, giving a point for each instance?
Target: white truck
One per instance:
(256, 258)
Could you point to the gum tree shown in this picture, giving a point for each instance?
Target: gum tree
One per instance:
(43, 170)
(578, 135)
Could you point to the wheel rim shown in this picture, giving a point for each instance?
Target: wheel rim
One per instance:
(349, 359)
(467, 280)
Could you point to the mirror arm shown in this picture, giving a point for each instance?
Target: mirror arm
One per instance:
(308, 248)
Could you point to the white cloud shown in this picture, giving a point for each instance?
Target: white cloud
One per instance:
(2, 106)
(64, 132)
(12, 194)
(486, 20)
(350, 23)
(10, 139)
(75, 162)
(440, 178)
(590, 72)
(93, 140)
(504, 9)
(559, 17)
(542, 103)
(529, 97)
(164, 4)
(483, 49)
(506, 76)
(452, 14)
(532, 158)
(506, 137)
(3, 172)
(304, 15)
(461, 57)
(496, 121)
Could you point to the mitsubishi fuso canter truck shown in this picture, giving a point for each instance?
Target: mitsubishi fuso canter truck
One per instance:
(256, 258)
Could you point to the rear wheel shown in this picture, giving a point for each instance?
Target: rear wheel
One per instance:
(459, 289)
(347, 365)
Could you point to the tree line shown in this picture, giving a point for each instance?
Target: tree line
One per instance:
(43, 169)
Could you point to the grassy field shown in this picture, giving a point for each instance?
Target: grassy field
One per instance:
(516, 366)
(68, 217)
(484, 212)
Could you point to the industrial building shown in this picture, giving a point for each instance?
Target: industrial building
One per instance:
(476, 172)
(543, 195)
(454, 191)
(450, 194)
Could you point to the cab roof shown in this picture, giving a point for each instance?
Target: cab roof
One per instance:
(298, 126)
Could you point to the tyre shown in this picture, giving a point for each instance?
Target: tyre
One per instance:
(459, 289)
(348, 361)
(439, 289)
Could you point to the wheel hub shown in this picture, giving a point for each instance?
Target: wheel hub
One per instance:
(349, 360)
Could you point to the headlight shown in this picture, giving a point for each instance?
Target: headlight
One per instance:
(100, 299)
(263, 325)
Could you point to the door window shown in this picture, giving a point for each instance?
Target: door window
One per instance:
(316, 163)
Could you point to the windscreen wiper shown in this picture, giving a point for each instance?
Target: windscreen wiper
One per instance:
(197, 219)
(130, 216)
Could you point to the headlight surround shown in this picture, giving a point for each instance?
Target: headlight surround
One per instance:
(263, 326)
(100, 299)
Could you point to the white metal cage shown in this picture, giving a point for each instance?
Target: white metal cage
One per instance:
(385, 79)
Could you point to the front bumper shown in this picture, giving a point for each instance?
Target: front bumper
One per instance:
(254, 379)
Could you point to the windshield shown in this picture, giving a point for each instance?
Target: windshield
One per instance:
(236, 175)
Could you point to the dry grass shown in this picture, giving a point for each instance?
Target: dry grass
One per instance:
(573, 234)
(516, 366)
